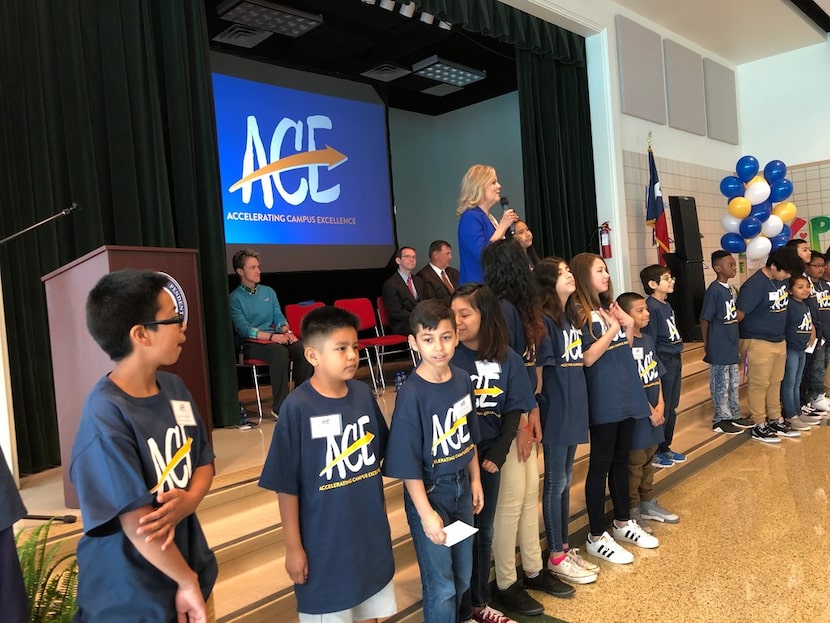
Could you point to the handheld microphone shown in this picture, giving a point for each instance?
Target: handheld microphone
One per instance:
(505, 204)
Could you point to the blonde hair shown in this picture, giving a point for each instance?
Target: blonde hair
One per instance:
(473, 185)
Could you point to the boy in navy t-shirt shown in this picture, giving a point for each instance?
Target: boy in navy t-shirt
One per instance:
(648, 432)
(658, 283)
(812, 383)
(763, 300)
(141, 463)
(432, 447)
(325, 465)
(719, 318)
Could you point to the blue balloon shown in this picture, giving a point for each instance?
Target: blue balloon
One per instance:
(779, 241)
(780, 190)
(746, 168)
(732, 187)
(774, 171)
(762, 211)
(750, 227)
(786, 233)
(732, 242)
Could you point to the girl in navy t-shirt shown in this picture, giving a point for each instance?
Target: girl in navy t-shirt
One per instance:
(615, 399)
(503, 394)
(564, 411)
(800, 333)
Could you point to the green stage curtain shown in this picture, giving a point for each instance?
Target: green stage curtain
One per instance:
(557, 154)
(107, 103)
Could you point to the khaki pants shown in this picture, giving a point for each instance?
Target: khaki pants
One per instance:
(765, 365)
(517, 515)
(640, 476)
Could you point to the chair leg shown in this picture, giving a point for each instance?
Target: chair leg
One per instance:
(258, 397)
(379, 358)
(371, 370)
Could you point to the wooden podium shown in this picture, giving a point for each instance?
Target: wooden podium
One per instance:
(77, 361)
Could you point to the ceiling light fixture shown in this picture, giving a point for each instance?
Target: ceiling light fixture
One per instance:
(269, 16)
(427, 18)
(448, 72)
(389, 5)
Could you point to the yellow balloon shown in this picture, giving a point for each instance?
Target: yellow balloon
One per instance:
(785, 211)
(757, 178)
(739, 207)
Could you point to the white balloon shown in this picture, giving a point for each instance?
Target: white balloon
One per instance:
(758, 248)
(757, 192)
(731, 223)
(772, 226)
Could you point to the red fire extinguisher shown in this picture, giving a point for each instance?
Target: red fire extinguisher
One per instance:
(605, 239)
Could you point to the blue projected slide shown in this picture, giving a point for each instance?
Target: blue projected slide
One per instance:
(304, 167)
(301, 168)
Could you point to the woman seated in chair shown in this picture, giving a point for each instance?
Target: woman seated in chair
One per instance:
(259, 322)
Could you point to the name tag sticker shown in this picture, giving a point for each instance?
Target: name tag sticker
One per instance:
(773, 296)
(326, 426)
(638, 352)
(183, 412)
(488, 368)
(462, 407)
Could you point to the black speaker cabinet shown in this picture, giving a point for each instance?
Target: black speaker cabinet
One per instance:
(686, 228)
(687, 298)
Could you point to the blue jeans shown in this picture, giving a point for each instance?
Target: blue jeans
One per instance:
(791, 383)
(445, 571)
(479, 593)
(724, 382)
(556, 494)
(671, 395)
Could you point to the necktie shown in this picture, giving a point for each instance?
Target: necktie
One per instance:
(447, 283)
(411, 287)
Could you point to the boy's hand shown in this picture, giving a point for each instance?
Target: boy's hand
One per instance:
(296, 564)
(488, 466)
(478, 496)
(190, 606)
(434, 528)
(161, 523)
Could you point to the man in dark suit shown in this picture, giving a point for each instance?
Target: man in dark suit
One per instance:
(402, 291)
(440, 279)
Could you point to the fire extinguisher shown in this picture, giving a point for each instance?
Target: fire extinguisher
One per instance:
(605, 239)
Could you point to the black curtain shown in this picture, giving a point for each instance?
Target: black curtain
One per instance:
(107, 103)
(557, 154)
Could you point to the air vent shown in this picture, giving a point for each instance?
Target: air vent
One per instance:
(386, 72)
(242, 36)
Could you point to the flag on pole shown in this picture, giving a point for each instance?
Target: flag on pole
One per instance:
(655, 211)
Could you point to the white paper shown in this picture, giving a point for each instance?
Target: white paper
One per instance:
(457, 531)
(812, 347)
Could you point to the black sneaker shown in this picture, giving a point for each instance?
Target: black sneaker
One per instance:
(727, 428)
(764, 434)
(516, 599)
(783, 429)
(548, 583)
(744, 422)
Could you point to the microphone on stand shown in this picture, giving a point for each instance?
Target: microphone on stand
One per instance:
(62, 518)
(505, 204)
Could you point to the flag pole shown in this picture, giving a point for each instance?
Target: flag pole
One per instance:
(649, 140)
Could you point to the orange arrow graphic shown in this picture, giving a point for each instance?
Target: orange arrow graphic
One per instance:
(328, 156)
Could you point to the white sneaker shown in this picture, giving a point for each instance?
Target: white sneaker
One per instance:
(820, 403)
(798, 423)
(609, 550)
(569, 571)
(631, 532)
(573, 554)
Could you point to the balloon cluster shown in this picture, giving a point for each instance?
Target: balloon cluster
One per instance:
(758, 213)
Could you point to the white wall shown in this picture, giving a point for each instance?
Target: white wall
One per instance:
(783, 104)
(430, 155)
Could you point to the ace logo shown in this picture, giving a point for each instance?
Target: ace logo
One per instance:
(349, 452)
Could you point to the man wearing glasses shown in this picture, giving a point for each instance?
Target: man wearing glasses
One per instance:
(402, 291)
